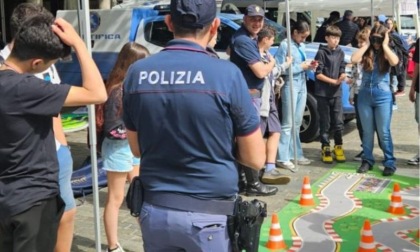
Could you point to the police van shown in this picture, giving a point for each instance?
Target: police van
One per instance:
(111, 29)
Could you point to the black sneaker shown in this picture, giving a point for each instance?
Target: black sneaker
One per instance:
(365, 167)
(358, 157)
(388, 171)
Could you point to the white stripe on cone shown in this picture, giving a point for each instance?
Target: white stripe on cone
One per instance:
(306, 196)
(367, 245)
(276, 238)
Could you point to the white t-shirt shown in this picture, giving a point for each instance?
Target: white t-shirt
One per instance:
(50, 75)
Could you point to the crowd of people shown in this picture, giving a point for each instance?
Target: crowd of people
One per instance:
(199, 131)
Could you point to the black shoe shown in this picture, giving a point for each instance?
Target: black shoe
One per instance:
(388, 171)
(259, 189)
(365, 167)
(242, 187)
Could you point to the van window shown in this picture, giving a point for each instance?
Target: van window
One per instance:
(157, 33)
(224, 36)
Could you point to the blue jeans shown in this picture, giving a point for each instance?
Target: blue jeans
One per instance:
(285, 150)
(65, 170)
(166, 230)
(375, 111)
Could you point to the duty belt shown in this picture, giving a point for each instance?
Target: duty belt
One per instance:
(190, 204)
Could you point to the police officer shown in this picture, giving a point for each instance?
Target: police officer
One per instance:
(244, 52)
(190, 121)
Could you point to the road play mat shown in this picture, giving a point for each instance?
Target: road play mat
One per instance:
(334, 219)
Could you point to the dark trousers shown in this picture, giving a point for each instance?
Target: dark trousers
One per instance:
(330, 112)
(402, 77)
(34, 230)
(358, 122)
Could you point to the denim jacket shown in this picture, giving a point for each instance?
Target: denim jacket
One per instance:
(298, 54)
(375, 78)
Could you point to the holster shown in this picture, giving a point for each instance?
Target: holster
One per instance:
(244, 226)
(134, 197)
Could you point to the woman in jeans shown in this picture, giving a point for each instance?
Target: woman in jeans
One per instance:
(375, 98)
(300, 31)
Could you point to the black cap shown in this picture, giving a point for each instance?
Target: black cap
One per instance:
(254, 10)
(348, 13)
(193, 13)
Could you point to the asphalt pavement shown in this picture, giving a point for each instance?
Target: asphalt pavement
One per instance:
(406, 145)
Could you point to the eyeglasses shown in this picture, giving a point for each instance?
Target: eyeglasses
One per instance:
(376, 40)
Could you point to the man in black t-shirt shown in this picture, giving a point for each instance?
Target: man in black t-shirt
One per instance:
(30, 206)
(415, 97)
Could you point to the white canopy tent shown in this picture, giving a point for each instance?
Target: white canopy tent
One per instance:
(322, 8)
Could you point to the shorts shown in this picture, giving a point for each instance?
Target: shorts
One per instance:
(65, 170)
(271, 124)
(117, 156)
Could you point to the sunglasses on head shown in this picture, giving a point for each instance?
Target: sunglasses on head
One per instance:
(376, 40)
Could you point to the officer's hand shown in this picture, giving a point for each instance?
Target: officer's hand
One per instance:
(66, 32)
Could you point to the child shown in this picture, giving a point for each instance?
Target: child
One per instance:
(270, 122)
(329, 75)
(118, 160)
(30, 205)
(362, 38)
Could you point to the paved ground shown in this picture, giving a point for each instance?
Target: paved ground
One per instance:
(406, 144)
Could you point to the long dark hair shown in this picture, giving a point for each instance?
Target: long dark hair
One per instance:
(368, 56)
(130, 53)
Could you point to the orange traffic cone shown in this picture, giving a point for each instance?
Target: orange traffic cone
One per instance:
(367, 242)
(396, 206)
(306, 198)
(275, 240)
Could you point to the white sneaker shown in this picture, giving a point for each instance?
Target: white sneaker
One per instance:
(414, 160)
(117, 249)
(287, 165)
(302, 161)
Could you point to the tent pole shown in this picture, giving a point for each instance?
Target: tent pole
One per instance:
(92, 131)
(292, 106)
(372, 16)
(3, 21)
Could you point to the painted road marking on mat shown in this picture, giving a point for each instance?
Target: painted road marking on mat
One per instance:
(386, 229)
(311, 227)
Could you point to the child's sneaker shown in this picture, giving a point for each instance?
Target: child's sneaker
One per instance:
(117, 249)
(326, 155)
(339, 154)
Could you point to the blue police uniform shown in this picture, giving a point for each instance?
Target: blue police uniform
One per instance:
(245, 52)
(187, 117)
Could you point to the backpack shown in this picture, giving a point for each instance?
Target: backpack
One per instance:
(397, 45)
